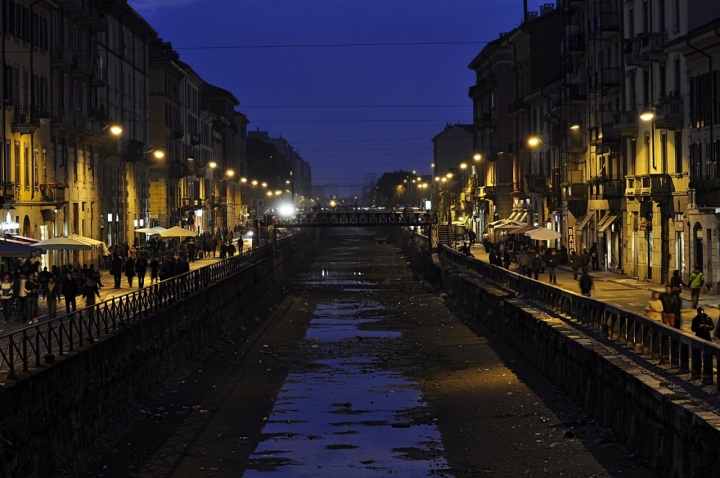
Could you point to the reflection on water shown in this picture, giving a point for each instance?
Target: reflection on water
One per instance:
(347, 417)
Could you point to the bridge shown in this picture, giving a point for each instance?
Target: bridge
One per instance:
(353, 219)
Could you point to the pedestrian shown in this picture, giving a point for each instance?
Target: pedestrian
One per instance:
(32, 289)
(536, 265)
(116, 269)
(130, 270)
(524, 259)
(669, 307)
(52, 293)
(191, 249)
(586, 284)
(21, 295)
(141, 268)
(7, 287)
(70, 291)
(551, 263)
(677, 310)
(90, 291)
(585, 259)
(575, 263)
(702, 324)
(676, 281)
(154, 268)
(654, 307)
(594, 256)
(493, 257)
(696, 282)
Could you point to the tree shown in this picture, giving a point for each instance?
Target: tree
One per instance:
(390, 190)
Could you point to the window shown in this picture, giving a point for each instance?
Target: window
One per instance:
(678, 152)
(676, 15)
(661, 15)
(646, 24)
(631, 21)
(663, 85)
(26, 166)
(664, 152)
(676, 74)
(646, 88)
(700, 100)
(36, 169)
(17, 164)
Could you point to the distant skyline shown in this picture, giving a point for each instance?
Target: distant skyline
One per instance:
(358, 87)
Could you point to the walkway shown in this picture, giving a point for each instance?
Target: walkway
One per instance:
(617, 289)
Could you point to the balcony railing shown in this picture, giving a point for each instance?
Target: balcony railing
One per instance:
(669, 113)
(8, 192)
(574, 43)
(625, 124)
(486, 191)
(612, 189)
(537, 183)
(652, 45)
(26, 120)
(648, 185)
(605, 23)
(53, 194)
(605, 78)
(707, 197)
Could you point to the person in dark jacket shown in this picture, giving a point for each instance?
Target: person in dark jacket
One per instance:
(154, 268)
(52, 294)
(586, 284)
(130, 270)
(70, 291)
(594, 255)
(116, 269)
(676, 281)
(668, 300)
(536, 265)
(141, 268)
(32, 289)
(575, 263)
(702, 324)
(551, 263)
(585, 260)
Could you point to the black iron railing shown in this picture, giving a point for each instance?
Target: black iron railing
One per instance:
(34, 344)
(649, 338)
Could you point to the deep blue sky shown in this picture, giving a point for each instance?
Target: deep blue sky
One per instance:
(222, 40)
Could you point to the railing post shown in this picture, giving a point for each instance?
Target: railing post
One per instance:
(707, 367)
(684, 357)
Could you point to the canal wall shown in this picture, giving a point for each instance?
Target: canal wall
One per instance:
(52, 412)
(668, 430)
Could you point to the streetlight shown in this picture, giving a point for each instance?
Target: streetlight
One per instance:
(534, 141)
(647, 114)
(477, 156)
(116, 130)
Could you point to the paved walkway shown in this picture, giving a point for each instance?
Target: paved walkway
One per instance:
(617, 289)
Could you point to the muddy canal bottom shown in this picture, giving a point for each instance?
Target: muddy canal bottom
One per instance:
(345, 415)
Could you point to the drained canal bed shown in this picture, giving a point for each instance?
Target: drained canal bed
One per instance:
(347, 415)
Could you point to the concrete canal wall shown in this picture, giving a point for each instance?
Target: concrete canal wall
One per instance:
(668, 430)
(52, 412)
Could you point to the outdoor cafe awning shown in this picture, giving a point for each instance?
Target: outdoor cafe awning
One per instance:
(607, 221)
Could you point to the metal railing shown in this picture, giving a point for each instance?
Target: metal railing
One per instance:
(649, 338)
(27, 347)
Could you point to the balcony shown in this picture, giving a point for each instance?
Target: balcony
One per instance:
(80, 66)
(605, 78)
(53, 194)
(631, 52)
(612, 189)
(132, 150)
(575, 144)
(217, 201)
(486, 192)
(99, 77)
(61, 59)
(669, 113)
(625, 124)
(575, 192)
(652, 46)
(607, 20)
(575, 93)
(573, 44)
(537, 183)
(8, 194)
(707, 197)
(516, 106)
(177, 170)
(192, 203)
(648, 186)
(25, 120)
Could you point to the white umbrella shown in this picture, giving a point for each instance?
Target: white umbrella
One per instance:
(543, 234)
(93, 242)
(177, 231)
(63, 244)
(148, 230)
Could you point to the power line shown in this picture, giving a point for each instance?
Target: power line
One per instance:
(468, 105)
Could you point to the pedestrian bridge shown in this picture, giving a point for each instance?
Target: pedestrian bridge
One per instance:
(352, 219)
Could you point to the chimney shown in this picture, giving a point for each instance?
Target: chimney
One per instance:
(547, 8)
(532, 15)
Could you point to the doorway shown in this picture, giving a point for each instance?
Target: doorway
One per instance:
(698, 239)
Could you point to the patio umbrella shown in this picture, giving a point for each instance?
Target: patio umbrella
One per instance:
(63, 244)
(93, 242)
(543, 234)
(148, 230)
(523, 230)
(177, 231)
(12, 249)
(159, 229)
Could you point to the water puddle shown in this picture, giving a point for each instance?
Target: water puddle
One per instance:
(346, 416)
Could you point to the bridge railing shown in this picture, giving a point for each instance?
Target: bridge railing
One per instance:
(30, 345)
(646, 336)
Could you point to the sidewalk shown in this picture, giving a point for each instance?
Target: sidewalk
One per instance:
(106, 292)
(616, 289)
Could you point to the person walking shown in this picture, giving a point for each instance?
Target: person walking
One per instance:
(654, 307)
(575, 263)
(154, 268)
(551, 263)
(7, 288)
(130, 270)
(586, 284)
(536, 265)
(524, 260)
(52, 294)
(32, 289)
(21, 295)
(90, 290)
(585, 260)
(594, 256)
(702, 324)
(676, 281)
(696, 282)
(141, 268)
(70, 291)
(116, 269)
(669, 307)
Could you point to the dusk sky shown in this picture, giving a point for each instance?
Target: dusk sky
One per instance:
(331, 77)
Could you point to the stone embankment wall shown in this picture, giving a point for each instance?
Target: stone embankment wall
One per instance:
(667, 429)
(52, 412)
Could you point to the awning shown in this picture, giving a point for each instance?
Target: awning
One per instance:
(582, 222)
(514, 215)
(608, 221)
(523, 217)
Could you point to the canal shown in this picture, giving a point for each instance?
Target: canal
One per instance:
(353, 369)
